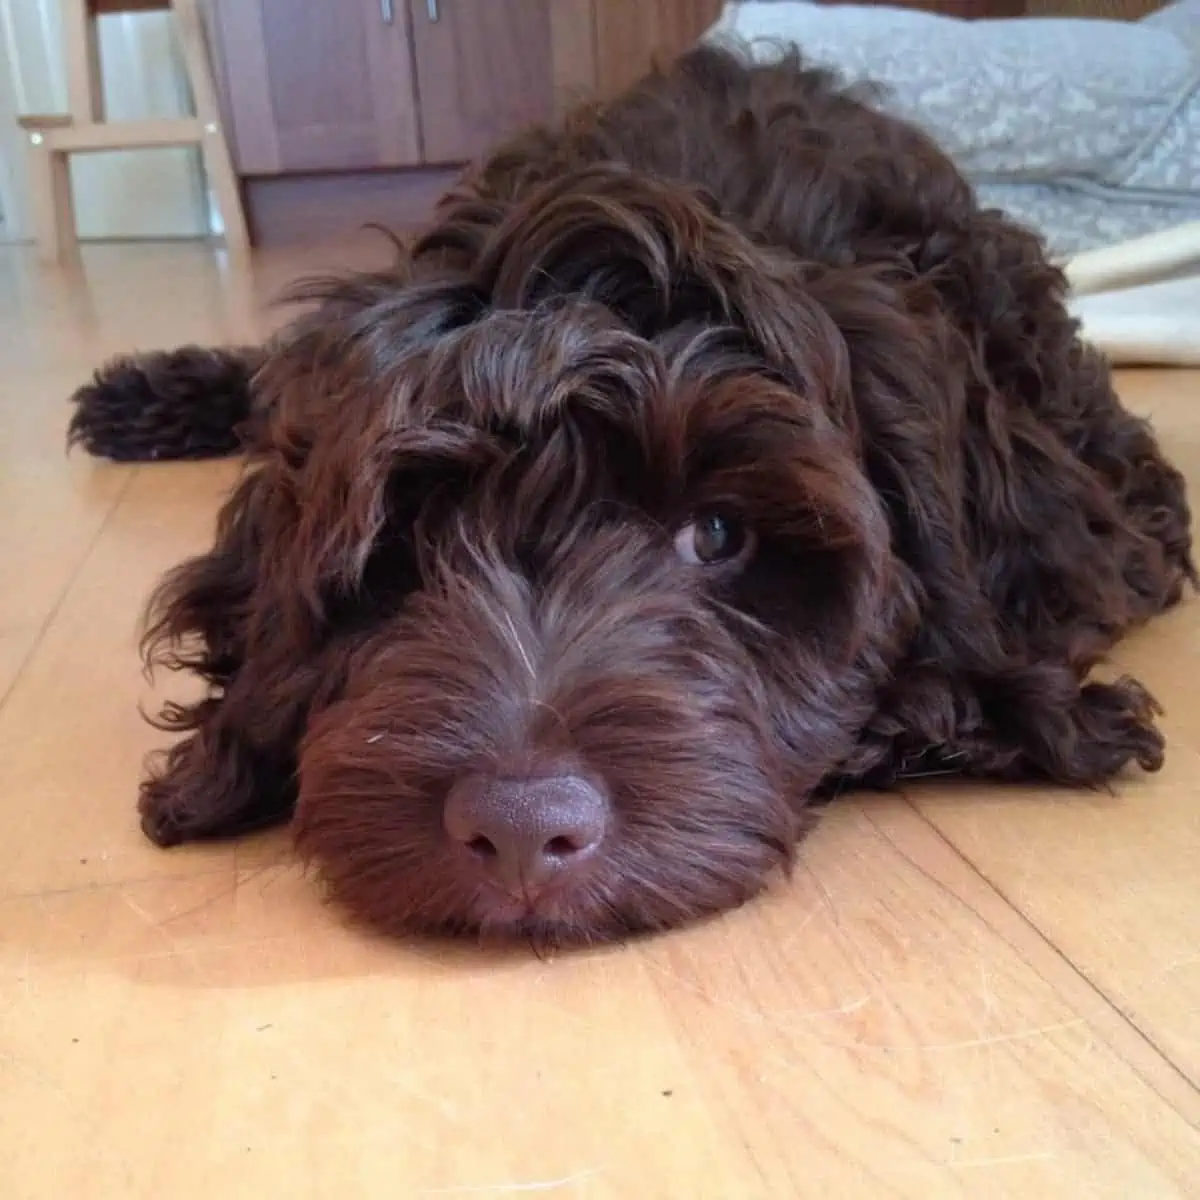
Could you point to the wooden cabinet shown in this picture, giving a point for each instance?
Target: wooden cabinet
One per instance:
(345, 111)
(483, 69)
(630, 34)
(335, 85)
(317, 85)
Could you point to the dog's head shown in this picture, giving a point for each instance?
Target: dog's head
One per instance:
(563, 548)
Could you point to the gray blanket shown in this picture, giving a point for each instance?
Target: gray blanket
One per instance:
(1089, 130)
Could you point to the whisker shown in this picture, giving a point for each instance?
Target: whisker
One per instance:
(512, 628)
(745, 619)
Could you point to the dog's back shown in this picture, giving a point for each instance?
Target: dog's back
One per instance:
(781, 148)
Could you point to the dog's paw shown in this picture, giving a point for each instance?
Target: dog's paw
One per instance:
(1116, 727)
(188, 794)
(167, 818)
(193, 795)
(175, 404)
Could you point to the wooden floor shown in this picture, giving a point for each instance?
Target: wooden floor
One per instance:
(963, 992)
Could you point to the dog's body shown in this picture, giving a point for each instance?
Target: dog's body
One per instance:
(707, 453)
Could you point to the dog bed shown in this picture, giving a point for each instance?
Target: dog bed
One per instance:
(1087, 130)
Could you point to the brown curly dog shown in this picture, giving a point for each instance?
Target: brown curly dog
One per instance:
(704, 455)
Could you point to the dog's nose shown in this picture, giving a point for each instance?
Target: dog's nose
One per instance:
(527, 832)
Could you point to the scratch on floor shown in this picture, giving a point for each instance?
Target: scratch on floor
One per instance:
(996, 1039)
(798, 931)
(788, 1020)
(204, 948)
(1002, 1160)
(988, 999)
(1015, 1035)
(1178, 964)
(504, 1189)
(175, 950)
(138, 910)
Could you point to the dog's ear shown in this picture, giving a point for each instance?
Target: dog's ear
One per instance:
(899, 390)
(221, 616)
(251, 616)
(341, 390)
(204, 614)
(330, 398)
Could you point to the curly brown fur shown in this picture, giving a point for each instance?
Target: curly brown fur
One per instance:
(466, 546)
(175, 404)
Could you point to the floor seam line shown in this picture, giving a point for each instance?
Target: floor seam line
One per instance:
(1092, 985)
(61, 599)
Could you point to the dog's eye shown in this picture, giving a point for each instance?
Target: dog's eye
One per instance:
(712, 537)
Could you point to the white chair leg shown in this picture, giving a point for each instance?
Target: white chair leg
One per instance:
(81, 47)
(51, 207)
(218, 165)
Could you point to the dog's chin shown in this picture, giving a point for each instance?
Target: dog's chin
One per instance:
(419, 889)
(571, 916)
(560, 918)
(561, 913)
(564, 922)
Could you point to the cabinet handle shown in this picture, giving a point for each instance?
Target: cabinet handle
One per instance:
(431, 7)
(387, 9)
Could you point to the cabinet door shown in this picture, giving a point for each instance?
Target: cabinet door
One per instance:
(632, 34)
(317, 85)
(484, 70)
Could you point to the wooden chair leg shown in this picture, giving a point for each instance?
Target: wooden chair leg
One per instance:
(51, 208)
(221, 176)
(218, 165)
(81, 44)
